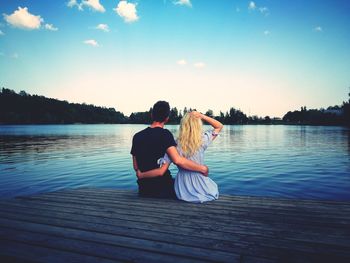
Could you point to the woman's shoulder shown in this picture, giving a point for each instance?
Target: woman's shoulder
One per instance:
(207, 134)
(207, 138)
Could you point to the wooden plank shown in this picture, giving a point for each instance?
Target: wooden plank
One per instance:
(256, 228)
(113, 252)
(264, 251)
(229, 198)
(250, 236)
(191, 251)
(152, 233)
(282, 229)
(223, 200)
(252, 229)
(14, 259)
(167, 227)
(256, 202)
(271, 215)
(222, 205)
(183, 207)
(21, 252)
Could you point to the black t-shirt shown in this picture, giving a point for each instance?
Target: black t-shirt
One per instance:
(148, 146)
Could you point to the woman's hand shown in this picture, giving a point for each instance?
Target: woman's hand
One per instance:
(197, 114)
(214, 123)
(205, 171)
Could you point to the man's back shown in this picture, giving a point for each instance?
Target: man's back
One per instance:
(148, 146)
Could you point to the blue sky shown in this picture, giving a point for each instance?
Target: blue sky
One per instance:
(264, 57)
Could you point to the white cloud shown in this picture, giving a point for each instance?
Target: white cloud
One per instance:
(91, 42)
(181, 62)
(1, 33)
(127, 11)
(183, 2)
(199, 65)
(103, 27)
(264, 10)
(73, 3)
(267, 32)
(50, 27)
(252, 5)
(94, 5)
(21, 18)
(318, 29)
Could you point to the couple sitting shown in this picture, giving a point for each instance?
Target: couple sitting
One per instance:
(154, 148)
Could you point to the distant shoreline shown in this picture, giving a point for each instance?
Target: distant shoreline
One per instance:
(22, 108)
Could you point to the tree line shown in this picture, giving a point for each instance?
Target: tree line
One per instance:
(23, 108)
(333, 115)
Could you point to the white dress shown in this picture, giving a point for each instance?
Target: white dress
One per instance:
(192, 186)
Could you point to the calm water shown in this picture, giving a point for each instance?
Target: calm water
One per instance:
(282, 161)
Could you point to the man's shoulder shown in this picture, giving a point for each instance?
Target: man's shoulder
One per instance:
(166, 131)
(141, 133)
(163, 134)
(167, 135)
(153, 130)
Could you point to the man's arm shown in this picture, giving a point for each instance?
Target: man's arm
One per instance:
(185, 163)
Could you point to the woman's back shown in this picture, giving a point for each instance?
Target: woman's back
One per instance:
(192, 186)
(198, 156)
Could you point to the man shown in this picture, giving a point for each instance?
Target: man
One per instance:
(149, 145)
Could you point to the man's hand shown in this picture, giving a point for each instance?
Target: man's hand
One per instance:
(205, 171)
(138, 174)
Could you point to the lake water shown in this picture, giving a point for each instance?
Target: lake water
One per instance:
(311, 162)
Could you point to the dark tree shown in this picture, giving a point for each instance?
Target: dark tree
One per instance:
(174, 116)
(210, 113)
(346, 111)
(24, 108)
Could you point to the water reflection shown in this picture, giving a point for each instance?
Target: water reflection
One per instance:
(346, 135)
(285, 161)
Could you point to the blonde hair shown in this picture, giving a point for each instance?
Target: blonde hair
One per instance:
(190, 134)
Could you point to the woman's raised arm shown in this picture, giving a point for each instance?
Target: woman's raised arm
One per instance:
(214, 123)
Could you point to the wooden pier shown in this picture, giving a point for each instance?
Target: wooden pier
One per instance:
(108, 225)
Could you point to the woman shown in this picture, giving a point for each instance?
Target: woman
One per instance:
(192, 142)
